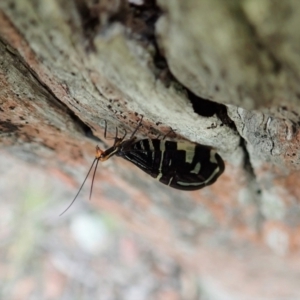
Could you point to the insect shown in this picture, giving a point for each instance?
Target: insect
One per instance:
(181, 165)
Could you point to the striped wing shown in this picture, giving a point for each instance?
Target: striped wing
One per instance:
(181, 165)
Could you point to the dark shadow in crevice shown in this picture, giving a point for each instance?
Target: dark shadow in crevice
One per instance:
(140, 21)
(247, 162)
(85, 128)
(207, 108)
(52, 100)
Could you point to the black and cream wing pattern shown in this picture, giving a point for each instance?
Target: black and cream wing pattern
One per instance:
(181, 165)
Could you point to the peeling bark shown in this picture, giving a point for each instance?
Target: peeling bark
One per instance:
(219, 73)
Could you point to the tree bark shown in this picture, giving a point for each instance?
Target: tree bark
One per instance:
(218, 73)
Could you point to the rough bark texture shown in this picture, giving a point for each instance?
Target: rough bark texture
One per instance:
(219, 73)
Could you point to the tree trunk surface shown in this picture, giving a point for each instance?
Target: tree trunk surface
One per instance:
(219, 73)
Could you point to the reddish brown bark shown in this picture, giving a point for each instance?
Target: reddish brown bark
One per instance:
(217, 73)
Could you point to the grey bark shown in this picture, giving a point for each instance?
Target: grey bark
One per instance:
(219, 73)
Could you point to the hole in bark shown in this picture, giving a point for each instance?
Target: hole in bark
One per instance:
(207, 108)
(247, 163)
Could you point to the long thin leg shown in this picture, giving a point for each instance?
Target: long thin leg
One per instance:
(136, 129)
(116, 137)
(171, 130)
(105, 130)
(105, 133)
(123, 137)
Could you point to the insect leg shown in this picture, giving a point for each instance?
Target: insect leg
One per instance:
(105, 130)
(116, 137)
(124, 135)
(171, 130)
(136, 129)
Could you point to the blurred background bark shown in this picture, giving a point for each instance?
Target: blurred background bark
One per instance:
(219, 73)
